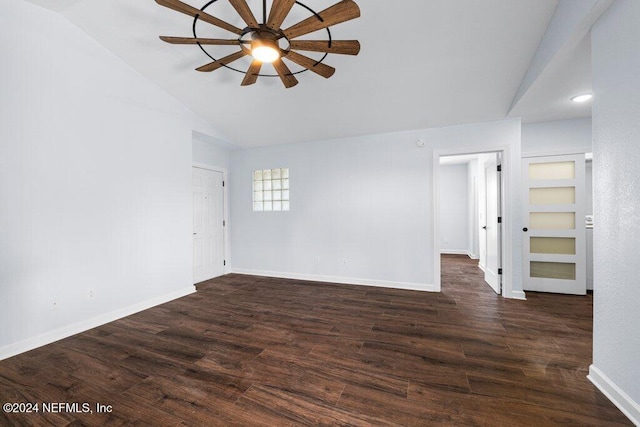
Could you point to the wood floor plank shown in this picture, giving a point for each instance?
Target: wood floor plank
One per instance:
(380, 404)
(258, 351)
(183, 401)
(302, 410)
(273, 370)
(489, 410)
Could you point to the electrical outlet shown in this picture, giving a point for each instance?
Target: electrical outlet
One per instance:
(91, 295)
(445, 240)
(55, 304)
(317, 260)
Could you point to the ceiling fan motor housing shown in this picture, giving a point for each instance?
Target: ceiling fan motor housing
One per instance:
(265, 38)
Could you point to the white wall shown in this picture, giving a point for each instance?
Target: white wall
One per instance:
(365, 199)
(616, 180)
(454, 209)
(211, 151)
(558, 137)
(95, 183)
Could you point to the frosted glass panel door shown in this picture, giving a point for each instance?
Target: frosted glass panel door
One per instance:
(554, 231)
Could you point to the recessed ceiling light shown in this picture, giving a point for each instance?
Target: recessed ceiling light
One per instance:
(582, 98)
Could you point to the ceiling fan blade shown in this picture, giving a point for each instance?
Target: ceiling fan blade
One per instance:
(339, 12)
(212, 66)
(252, 73)
(178, 6)
(245, 13)
(283, 71)
(279, 11)
(343, 47)
(311, 64)
(191, 40)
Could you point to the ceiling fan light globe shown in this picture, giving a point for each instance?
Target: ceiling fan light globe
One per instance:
(265, 54)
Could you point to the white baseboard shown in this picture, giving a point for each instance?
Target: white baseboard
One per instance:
(482, 267)
(456, 252)
(618, 397)
(76, 328)
(336, 279)
(517, 295)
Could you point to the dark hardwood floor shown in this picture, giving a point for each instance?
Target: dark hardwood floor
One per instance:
(259, 351)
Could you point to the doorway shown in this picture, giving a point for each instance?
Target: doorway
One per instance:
(469, 199)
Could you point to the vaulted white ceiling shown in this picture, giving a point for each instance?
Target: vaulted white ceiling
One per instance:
(423, 63)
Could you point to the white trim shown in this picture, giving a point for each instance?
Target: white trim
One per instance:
(457, 252)
(226, 216)
(76, 328)
(550, 153)
(615, 394)
(518, 295)
(337, 279)
(435, 214)
(507, 222)
(209, 167)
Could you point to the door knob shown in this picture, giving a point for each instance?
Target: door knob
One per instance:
(484, 228)
(525, 229)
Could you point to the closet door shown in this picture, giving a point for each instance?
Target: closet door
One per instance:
(554, 229)
(208, 226)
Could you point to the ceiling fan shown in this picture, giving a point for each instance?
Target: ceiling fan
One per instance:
(267, 42)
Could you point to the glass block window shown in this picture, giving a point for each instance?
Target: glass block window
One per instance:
(271, 190)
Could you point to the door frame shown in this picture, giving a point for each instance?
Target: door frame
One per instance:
(225, 213)
(507, 216)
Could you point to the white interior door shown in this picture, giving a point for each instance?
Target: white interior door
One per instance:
(208, 226)
(492, 227)
(554, 239)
